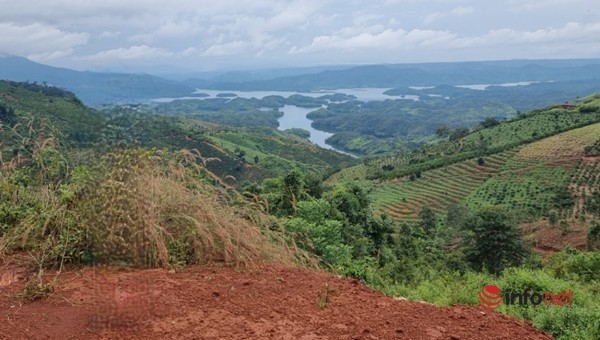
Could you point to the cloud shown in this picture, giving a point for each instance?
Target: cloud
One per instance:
(536, 5)
(388, 39)
(567, 40)
(109, 34)
(229, 48)
(572, 34)
(458, 11)
(38, 40)
(133, 53)
(85, 34)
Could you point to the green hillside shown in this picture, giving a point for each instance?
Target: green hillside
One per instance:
(60, 108)
(240, 155)
(539, 162)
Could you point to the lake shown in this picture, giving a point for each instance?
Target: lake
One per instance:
(295, 117)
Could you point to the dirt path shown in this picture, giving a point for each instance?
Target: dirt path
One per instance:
(223, 303)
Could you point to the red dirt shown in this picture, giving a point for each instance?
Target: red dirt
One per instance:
(549, 239)
(272, 302)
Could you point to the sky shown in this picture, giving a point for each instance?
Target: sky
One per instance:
(196, 35)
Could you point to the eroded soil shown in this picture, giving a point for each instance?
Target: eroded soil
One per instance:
(270, 302)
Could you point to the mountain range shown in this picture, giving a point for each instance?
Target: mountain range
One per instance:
(97, 88)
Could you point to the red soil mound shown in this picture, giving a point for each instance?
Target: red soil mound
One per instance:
(223, 303)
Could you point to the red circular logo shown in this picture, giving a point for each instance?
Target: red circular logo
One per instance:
(490, 297)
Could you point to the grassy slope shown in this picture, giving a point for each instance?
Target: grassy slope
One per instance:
(65, 113)
(524, 177)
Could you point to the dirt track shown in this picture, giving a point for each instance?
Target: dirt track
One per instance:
(223, 303)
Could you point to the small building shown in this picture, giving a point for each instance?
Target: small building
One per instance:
(567, 105)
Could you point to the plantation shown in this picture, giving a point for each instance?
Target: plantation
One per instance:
(439, 188)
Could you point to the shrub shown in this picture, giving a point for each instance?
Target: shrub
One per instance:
(593, 236)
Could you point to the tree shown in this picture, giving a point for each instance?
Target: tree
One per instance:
(7, 116)
(293, 191)
(428, 219)
(593, 237)
(443, 131)
(458, 134)
(314, 185)
(457, 216)
(489, 122)
(492, 240)
(256, 159)
(553, 217)
(563, 198)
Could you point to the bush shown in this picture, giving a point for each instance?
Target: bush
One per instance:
(593, 236)
(142, 208)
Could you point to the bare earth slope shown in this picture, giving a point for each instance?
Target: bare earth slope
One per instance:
(224, 303)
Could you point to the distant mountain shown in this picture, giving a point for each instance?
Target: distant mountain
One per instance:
(91, 87)
(428, 74)
(95, 88)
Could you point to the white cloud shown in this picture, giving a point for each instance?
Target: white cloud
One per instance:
(229, 48)
(535, 5)
(566, 40)
(38, 40)
(109, 34)
(387, 39)
(133, 53)
(85, 34)
(458, 11)
(572, 34)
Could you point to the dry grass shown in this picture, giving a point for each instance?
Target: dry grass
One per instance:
(148, 209)
(326, 295)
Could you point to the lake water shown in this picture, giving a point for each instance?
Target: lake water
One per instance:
(295, 117)
(483, 87)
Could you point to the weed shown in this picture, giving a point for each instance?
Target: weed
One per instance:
(326, 295)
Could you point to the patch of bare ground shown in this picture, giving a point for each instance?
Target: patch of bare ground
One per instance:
(548, 239)
(271, 302)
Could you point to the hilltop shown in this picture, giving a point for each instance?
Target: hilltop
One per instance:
(271, 302)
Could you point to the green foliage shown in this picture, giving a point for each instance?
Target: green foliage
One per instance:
(7, 115)
(314, 229)
(428, 219)
(563, 199)
(457, 216)
(593, 236)
(489, 122)
(575, 265)
(443, 131)
(59, 108)
(492, 241)
(577, 321)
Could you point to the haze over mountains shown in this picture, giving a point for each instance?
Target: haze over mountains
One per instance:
(96, 88)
